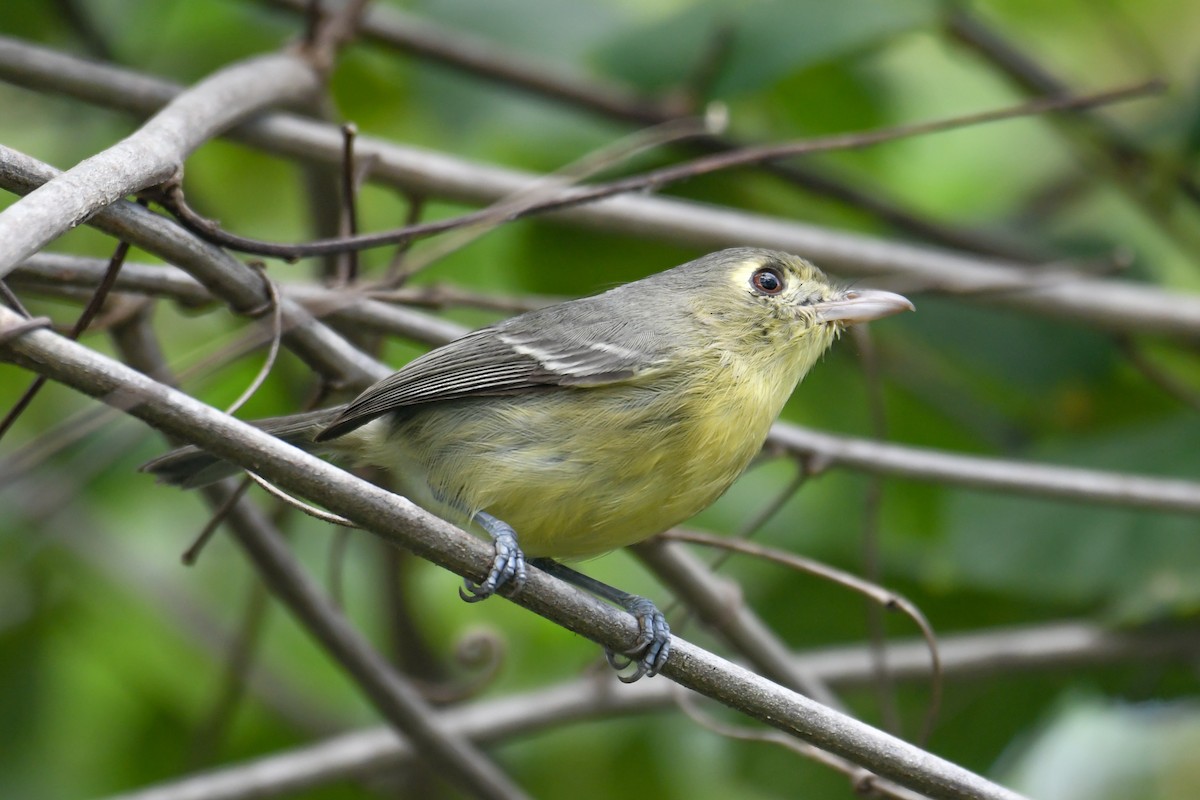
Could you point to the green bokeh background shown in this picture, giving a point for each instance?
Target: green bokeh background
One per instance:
(110, 661)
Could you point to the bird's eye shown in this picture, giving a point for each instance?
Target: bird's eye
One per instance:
(767, 281)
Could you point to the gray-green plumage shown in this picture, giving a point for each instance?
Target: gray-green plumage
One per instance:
(594, 423)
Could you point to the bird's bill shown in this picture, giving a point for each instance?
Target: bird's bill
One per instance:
(862, 305)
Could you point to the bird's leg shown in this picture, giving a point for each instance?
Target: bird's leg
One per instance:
(653, 644)
(508, 565)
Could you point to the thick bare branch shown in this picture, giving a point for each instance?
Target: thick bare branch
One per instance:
(152, 154)
(995, 474)
(226, 277)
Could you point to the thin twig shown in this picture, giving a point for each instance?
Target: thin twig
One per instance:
(864, 783)
(883, 597)
(307, 508)
(99, 297)
(765, 514)
(545, 194)
(348, 219)
(719, 605)
(192, 554)
(650, 181)
(397, 269)
(12, 301)
(551, 184)
(272, 350)
(1122, 153)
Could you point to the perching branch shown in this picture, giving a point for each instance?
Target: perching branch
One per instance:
(400, 522)
(393, 695)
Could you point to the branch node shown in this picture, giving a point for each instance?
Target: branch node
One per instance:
(25, 326)
(268, 305)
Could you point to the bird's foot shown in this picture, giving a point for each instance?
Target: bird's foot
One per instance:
(508, 564)
(649, 652)
(653, 644)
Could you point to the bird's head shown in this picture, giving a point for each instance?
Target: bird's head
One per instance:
(777, 299)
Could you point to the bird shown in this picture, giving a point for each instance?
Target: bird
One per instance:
(578, 428)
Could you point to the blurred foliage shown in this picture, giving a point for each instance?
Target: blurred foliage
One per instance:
(1102, 750)
(112, 655)
(752, 45)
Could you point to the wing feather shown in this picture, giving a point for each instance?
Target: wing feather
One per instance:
(500, 360)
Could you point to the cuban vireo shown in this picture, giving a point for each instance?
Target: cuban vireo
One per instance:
(591, 424)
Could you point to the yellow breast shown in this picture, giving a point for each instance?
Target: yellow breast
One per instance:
(579, 472)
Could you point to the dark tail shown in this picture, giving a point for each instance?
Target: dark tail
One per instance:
(190, 467)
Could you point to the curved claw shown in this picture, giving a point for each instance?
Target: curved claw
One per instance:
(472, 592)
(508, 564)
(617, 661)
(653, 644)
